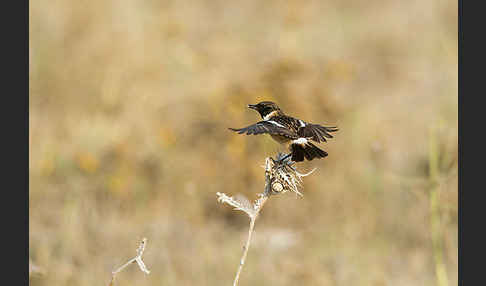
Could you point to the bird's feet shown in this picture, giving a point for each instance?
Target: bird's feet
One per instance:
(283, 159)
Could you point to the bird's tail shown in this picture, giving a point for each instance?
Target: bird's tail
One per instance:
(308, 151)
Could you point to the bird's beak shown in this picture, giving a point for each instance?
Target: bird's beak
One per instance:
(252, 106)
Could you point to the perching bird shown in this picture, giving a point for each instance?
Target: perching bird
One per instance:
(288, 130)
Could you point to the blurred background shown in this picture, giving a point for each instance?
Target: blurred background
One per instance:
(130, 102)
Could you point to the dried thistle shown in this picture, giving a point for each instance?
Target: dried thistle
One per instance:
(280, 177)
(285, 177)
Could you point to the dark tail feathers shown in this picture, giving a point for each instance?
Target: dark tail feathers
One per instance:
(309, 151)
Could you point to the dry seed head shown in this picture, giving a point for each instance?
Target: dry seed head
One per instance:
(284, 176)
(277, 187)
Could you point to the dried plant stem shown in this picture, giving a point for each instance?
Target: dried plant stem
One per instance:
(248, 241)
(258, 206)
(280, 177)
(434, 210)
(137, 259)
(34, 269)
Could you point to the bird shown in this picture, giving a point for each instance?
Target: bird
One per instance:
(285, 129)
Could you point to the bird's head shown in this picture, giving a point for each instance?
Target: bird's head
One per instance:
(266, 109)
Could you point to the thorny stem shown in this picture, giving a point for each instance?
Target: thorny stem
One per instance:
(248, 241)
(260, 203)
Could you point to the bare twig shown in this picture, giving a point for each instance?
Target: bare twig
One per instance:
(137, 259)
(280, 177)
(34, 269)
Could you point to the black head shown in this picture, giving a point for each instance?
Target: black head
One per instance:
(265, 108)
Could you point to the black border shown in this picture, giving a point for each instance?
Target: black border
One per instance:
(471, 240)
(15, 141)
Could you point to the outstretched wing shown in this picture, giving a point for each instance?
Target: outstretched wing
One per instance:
(316, 132)
(267, 126)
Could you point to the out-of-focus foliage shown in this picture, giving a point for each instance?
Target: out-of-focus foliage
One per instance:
(129, 107)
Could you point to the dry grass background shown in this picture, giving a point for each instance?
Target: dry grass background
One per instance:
(129, 107)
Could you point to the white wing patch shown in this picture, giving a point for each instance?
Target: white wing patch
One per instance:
(275, 123)
(300, 141)
(302, 123)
